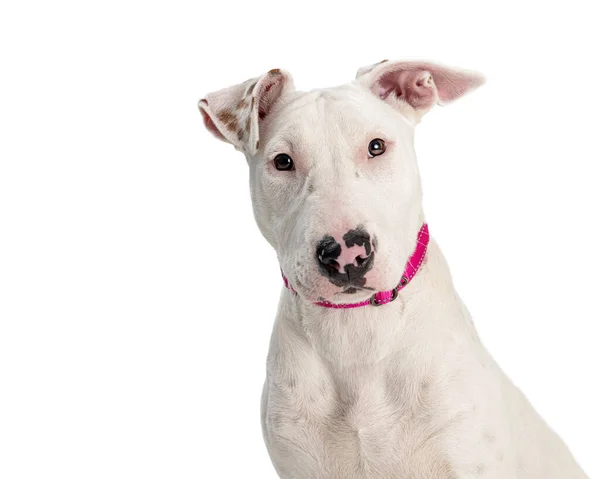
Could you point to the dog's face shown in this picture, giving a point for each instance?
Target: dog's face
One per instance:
(343, 219)
(334, 179)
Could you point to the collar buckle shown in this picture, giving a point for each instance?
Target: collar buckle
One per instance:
(374, 302)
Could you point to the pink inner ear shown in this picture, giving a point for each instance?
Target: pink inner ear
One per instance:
(269, 92)
(415, 87)
(422, 84)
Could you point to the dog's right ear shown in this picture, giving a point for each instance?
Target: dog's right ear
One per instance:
(235, 114)
(414, 87)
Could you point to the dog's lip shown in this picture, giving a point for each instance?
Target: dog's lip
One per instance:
(299, 287)
(355, 289)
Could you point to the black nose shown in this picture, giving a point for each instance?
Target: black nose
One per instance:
(346, 264)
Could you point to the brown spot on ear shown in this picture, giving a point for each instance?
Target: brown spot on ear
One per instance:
(241, 104)
(248, 120)
(275, 71)
(382, 61)
(240, 134)
(228, 119)
(257, 144)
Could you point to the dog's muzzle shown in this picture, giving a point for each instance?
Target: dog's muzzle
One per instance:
(329, 249)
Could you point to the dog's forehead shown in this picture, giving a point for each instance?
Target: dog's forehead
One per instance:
(341, 101)
(346, 113)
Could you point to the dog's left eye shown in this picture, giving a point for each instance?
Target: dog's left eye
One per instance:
(376, 147)
(283, 162)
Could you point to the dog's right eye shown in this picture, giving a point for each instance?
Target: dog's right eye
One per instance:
(376, 147)
(283, 162)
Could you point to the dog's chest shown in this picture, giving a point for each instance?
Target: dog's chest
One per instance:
(378, 424)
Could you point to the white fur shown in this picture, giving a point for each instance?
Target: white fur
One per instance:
(405, 390)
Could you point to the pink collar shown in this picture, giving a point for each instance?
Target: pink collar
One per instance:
(384, 297)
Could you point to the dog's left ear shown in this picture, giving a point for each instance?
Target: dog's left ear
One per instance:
(235, 114)
(415, 87)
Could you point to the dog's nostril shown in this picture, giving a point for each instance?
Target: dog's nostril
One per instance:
(333, 266)
(360, 259)
(328, 261)
(328, 252)
(330, 264)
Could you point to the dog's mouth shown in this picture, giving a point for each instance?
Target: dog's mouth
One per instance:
(355, 289)
(346, 292)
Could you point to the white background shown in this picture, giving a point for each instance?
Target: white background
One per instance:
(137, 296)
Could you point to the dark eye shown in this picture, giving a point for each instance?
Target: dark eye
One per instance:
(283, 162)
(376, 147)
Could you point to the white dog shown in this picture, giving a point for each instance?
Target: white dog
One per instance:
(375, 369)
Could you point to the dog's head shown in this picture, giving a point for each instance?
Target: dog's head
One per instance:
(333, 174)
